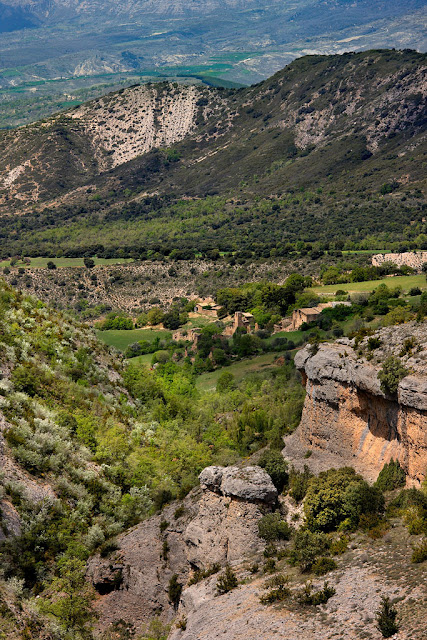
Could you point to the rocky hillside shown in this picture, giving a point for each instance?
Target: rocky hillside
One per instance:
(317, 117)
(219, 525)
(349, 417)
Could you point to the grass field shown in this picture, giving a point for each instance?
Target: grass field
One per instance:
(145, 359)
(207, 381)
(41, 263)
(122, 339)
(406, 282)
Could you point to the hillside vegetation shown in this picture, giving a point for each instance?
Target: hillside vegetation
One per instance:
(330, 149)
(89, 447)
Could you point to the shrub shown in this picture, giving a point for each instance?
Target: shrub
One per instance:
(419, 553)
(225, 382)
(307, 547)
(201, 574)
(227, 581)
(336, 495)
(309, 597)
(323, 565)
(25, 378)
(174, 591)
(298, 483)
(270, 566)
(278, 589)
(386, 618)
(391, 374)
(276, 467)
(272, 527)
(390, 477)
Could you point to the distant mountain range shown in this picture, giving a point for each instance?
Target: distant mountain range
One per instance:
(53, 51)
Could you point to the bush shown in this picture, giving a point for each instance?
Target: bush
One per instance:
(307, 547)
(174, 590)
(419, 553)
(323, 565)
(278, 589)
(390, 477)
(227, 581)
(201, 574)
(298, 483)
(25, 378)
(391, 374)
(386, 618)
(337, 495)
(276, 467)
(225, 382)
(313, 598)
(271, 527)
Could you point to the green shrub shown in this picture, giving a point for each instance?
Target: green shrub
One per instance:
(391, 374)
(174, 590)
(338, 494)
(314, 598)
(323, 565)
(276, 467)
(298, 483)
(201, 574)
(419, 553)
(227, 581)
(386, 618)
(307, 547)
(390, 477)
(26, 378)
(278, 589)
(272, 527)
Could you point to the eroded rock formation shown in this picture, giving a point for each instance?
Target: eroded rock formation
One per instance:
(217, 524)
(349, 420)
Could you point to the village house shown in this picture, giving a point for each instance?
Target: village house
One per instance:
(305, 315)
(208, 310)
(241, 320)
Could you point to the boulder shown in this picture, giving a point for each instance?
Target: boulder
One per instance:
(251, 484)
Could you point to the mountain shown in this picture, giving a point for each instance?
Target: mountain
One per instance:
(326, 136)
(61, 50)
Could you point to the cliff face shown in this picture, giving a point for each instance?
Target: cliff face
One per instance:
(347, 419)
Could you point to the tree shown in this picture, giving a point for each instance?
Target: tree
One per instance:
(51, 265)
(72, 607)
(225, 382)
(276, 467)
(89, 263)
(337, 495)
(226, 581)
(386, 618)
(391, 374)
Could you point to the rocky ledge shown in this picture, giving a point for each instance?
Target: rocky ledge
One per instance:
(348, 419)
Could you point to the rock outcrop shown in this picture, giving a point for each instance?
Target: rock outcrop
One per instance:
(347, 418)
(216, 525)
(252, 484)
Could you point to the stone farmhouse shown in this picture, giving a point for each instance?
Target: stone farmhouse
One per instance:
(305, 314)
(241, 320)
(208, 310)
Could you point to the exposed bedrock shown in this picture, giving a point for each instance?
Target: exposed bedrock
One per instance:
(218, 524)
(352, 422)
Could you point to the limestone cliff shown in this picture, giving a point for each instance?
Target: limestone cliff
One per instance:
(348, 420)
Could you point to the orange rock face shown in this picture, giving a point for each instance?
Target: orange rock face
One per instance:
(347, 415)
